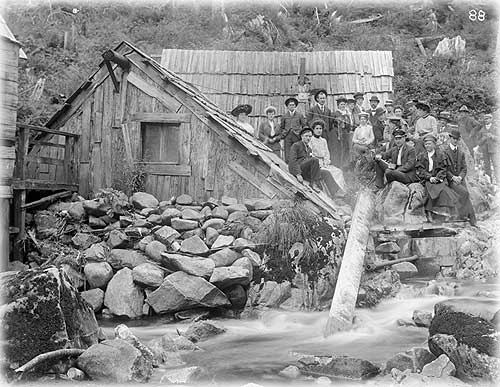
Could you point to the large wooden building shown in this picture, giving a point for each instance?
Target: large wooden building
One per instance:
(133, 111)
(263, 78)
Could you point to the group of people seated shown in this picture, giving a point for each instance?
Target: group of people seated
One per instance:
(319, 145)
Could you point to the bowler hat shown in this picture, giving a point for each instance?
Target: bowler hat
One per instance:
(292, 99)
(399, 132)
(351, 100)
(318, 122)
(269, 109)
(359, 95)
(245, 108)
(388, 102)
(423, 106)
(455, 133)
(341, 99)
(305, 129)
(318, 92)
(430, 137)
(463, 108)
(374, 98)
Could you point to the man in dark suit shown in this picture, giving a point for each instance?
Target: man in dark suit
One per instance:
(375, 118)
(291, 124)
(320, 112)
(396, 164)
(301, 163)
(489, 143)
(455, 174)
(268, 131)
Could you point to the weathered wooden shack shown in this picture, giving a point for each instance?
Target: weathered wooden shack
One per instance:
(262, 78)
(134, 112)
(10, 52)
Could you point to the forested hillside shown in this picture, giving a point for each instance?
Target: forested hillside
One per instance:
(272, 26)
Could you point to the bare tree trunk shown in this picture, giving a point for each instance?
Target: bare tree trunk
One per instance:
(346, 291)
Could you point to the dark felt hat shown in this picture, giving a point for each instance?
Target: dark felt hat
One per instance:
(318, 92)
(318, 122)
(359, 95)
(455, 133)
(292, 99)
(305, 129)
(245, 108)
(341, 99)
(351, 100)
(399, 132)
(374, 98)
(430, 137)
(423, 106)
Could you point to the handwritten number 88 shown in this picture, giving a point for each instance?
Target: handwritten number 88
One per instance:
(477, 15)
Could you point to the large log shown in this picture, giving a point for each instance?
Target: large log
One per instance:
(346, 290)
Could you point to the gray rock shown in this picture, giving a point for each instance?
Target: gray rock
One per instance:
(290, 372)
(183, 224)
(485, 309)
(75, 374)
(211, 235)
(261, 214)
(215, 223)
(412, 360)
(238, 207)
(405, 323)
(95, 297)
(273, 294)
(237, 296)
(245, 263)
(98, 274)
(115, 361)
(242, 243)
(387, 247)
(253, 256)
(76, 210)
(258, 204)
(202, 330)
(377, 286)
(180, 291)
(184, 200)
(405, 269)
(197, 266)
(120, 258)
(148, 275)
(166, 235)
(422, 318)
(83, 240)
(96, 222)
(341, 367)
(43, 312)
(193, 245)
(97, 252)
(401, 361)
(220, 212)
(169, 214)
(142, 244)
(190, 214)
(155, 219)
(222, 277)
(237, 216)
(95, 207)
(440, 367)
(126, 221)
(123, 297)
(223, 241)
(117, 240)
(227, 200)
(142, 200)
(224, 257)
(186, 375)
(148, 211)
(74, 275)
(155, 249)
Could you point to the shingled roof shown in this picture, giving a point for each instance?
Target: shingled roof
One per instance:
(229, 78)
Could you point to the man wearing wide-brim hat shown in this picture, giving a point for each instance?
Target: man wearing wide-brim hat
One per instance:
(376, 118)
(320, 111)
(389, 107)
(358, 107)
(489, 144)
(268, 131)
(468, 127)
(455, 175)
(291, 124)
(444, 118)
(396, 164)
(241, 113)
(431, 167)
(301, 162)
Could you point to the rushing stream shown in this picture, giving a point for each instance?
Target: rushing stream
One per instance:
(256, 350)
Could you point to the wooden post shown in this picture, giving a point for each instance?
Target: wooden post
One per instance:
(119, 59)
(20, 194)
(346, 290)
(4, 233)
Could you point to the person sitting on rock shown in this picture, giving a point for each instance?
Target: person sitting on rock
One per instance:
(301, 162)
(396, 164)
(431, 167)
(455, 174)
(363, 137)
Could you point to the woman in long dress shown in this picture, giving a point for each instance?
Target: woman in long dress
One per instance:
(319, 148)
(241, 113)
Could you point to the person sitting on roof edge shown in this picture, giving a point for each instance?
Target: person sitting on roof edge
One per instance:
(291, 124)
(241, 113)
(268, 131)
(301, 163)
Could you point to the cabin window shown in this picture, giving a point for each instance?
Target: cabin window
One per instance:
(160, 142)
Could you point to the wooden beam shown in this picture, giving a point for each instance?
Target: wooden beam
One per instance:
(47, 130)
(4, 233)
(164, 169)
(48, 199)
(113, 76)
(35, 184)
(261, 184)
(169, 118)
(119, 59)
(44, 160)
(152, 91)
(46, 143)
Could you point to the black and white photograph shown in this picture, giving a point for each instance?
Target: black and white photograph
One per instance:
(231, 193)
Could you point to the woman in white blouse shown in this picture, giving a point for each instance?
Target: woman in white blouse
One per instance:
(320, 150)
(363, 137)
